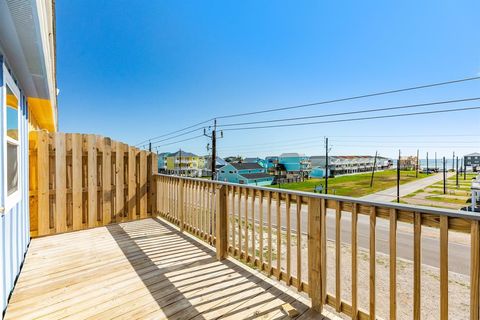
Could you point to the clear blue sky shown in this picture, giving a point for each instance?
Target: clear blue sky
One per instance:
(133, 70)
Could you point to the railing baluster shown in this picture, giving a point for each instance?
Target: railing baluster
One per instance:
(232, 217)
(393, 264)
(338, 254)
(299, 243)
(269, 210)
(260, 248)
(417, 239)
(245, 212)
(279, 237)
(253, 225)
(354, 261)
(475, 271)
(323, 245)
(239, 202)
(373, 222)
(289, 235)
(443, 267)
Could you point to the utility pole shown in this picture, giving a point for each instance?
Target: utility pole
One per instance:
(150, 146)
(326, 166)
(214, 148)
(436, 168)
(373, 169)
(464, 168)
(456, 173)
(427, 163)
(398, 177)
(453, 161)
(416, 169)
(180, 163)
(444, 177)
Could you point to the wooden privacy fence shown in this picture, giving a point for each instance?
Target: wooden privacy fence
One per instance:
(79, 181)
(284, 233)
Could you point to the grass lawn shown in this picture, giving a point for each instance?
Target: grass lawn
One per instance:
(357, 185)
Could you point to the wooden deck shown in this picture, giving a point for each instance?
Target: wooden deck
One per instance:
(145, 269)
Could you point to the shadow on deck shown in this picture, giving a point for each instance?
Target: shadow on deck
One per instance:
(142, 270)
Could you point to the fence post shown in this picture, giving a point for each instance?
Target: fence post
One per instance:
(475, 273)
(221, 222)
(314, 253)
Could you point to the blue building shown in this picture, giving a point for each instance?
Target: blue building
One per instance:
(245, 173)
(28, 97)
(162, 161)
(262, 162)
(317, 173)
(294, 162)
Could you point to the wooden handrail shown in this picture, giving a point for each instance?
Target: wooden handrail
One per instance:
(262, 227)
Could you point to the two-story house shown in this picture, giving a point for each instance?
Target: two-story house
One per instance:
(245, 173)
(472, 161)
(28, 102)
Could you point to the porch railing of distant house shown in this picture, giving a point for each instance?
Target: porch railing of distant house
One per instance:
(79, 181)
(266, 229)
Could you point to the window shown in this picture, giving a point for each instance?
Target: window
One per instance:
(12, 116)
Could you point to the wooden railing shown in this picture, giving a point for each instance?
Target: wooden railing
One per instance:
(80, 181)
(284, 233)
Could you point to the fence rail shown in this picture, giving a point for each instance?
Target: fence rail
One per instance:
(284, 233)
(80, 181)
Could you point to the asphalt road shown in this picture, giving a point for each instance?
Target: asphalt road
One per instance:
(459, 254)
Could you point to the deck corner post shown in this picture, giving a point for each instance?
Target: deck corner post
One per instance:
(221, 224)
(314, 253)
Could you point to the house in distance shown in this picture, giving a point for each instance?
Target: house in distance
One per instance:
(245, 173)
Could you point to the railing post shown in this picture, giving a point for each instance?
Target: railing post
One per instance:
(181, 212)
(314, 253)
(221, 222)
(475, 271)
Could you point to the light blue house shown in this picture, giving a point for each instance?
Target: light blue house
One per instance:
(317, 173)
(262, 162)
(162, 161)
(245, 173)
(27, 103)
(294, 162)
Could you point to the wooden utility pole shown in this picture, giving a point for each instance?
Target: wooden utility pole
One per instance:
(416, 169)
(436, 168)
(444, 177)
(464, 169)
(456, 173)
(326, 165)
(453, 161)
(373, 169)
(214, 151)
(214, 148)
(427, 163)
(398, 177)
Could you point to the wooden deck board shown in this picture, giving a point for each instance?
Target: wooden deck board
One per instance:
(144, 269)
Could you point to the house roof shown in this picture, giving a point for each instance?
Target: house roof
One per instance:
(475, 154)
(246, 166)
(183, 154)
(251, 176)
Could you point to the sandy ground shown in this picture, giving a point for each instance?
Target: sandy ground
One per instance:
(459, 294)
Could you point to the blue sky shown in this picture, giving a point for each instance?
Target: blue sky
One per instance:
(134, 71)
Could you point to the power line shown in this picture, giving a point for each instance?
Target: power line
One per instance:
(351, 98)
(352, 112)
(173, 132)
(187, 139)
(353, 119)
(317, 103)
(176, 136)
